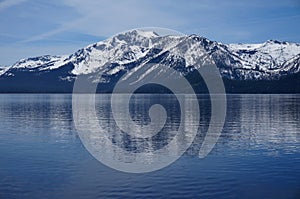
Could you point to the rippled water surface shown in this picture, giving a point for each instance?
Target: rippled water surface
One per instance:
(257, 155)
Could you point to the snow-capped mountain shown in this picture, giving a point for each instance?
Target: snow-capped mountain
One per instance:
(269, 61)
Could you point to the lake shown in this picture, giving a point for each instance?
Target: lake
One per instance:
(256, 156)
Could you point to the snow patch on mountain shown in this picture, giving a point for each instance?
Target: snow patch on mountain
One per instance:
(3, 70)
(46, 62)
(266, 56)
(121, 49)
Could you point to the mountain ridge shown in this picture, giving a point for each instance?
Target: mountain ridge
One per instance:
(269, 61)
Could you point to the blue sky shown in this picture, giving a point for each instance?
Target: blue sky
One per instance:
(37, 27)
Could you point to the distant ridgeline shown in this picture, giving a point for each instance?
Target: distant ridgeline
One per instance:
(270, 67)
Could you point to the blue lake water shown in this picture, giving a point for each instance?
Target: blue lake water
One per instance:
(257, 155)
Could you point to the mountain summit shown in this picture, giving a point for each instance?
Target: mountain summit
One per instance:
(272, 66)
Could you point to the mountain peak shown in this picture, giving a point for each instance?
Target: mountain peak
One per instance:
(274, 41)
(129, 35)
(195, 36)
(144, 33)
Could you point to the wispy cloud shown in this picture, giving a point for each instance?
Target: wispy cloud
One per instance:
(9, 3)
(103, 18)
(61, 28)
(38, 23)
